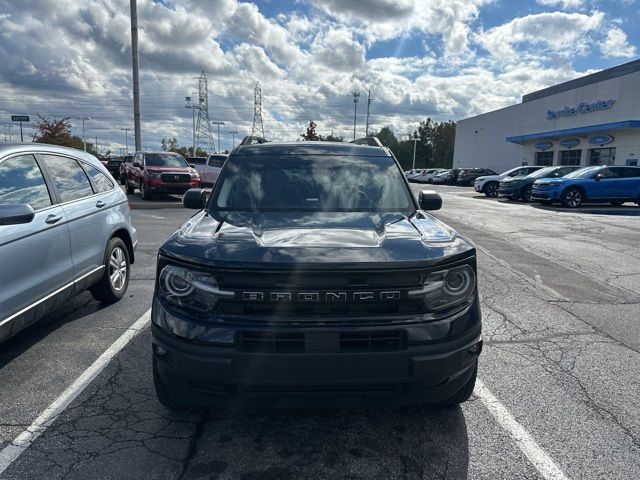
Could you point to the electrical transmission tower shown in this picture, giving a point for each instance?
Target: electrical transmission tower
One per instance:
(204, 137)
(257, 111)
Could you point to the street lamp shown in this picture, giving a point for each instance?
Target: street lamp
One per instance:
(415, 142)
(233, 138)
(356, 98)
(83, 118)
(126, 138)
(218, 123)
(193, 108)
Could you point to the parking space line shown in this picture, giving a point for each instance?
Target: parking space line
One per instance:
(12, 451)
(540, 459)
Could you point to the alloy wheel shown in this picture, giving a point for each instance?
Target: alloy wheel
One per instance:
(526, 195)
(491, 190)
(117, 268)
(573, 198)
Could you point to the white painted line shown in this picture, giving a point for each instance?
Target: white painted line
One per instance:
(12, 451)
(536, 455)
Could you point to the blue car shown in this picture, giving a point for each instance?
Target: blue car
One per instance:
(615, 185)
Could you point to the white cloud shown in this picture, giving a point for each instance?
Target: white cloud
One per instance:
(558, 33)
(616, 44)
(564, 4)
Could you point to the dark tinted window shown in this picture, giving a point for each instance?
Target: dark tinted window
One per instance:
(101, 182)
(630, 172)
(197, 160)
(310, 183)
(21, 181)
(70, 180)
(610, 173)
(164, 160)
(128, 158)
(216, 160)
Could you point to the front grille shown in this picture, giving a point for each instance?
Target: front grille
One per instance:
(176, 177)
(381, 340)
(328, 342)
(306, 295)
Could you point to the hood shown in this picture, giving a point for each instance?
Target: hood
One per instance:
(282, 239)
(512, 180)
(549, 181)
(169, 169)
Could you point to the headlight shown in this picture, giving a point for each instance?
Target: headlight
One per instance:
(190, 289)
(194, 175)
(447, 288)
(154, 175)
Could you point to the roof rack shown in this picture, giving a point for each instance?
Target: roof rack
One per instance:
(251, 139)
(371, 141)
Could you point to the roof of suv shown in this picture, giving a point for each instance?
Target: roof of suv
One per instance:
(310, 148)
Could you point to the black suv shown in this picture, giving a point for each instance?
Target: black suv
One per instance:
(467, 176)
(311, 276)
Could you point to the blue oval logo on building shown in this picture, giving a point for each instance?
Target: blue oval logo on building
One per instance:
(601, 139)
(570, 142)
(543, 145)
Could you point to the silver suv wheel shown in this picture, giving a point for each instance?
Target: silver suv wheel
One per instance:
(117, 268)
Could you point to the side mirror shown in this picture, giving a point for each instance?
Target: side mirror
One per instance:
(192, 165)
(137, 164)
(15, 214)
(598, 177)
(194, 198)
(429, 200)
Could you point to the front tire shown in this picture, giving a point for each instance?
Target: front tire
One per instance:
(465, 392)
(115, 280)
(144, 195)
(526, 194)
(491, 189)
(123, 180)
(572, 198)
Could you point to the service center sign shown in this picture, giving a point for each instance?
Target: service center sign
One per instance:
(582, 108)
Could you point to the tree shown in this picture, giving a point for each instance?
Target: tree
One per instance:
(333, 138)
(53, 131)
(387, 138)
(171, 145)
(56, 131)
(311, 134)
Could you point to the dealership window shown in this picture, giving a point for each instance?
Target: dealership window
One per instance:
(570, 157)
(544, 158)
(602, 156)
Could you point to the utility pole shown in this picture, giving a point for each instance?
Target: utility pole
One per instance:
(193, 108)
(218, 123)
(204, 138)
(83, 118)
(233, 138)
(415, 141)
(95, 147)
(126, 138)
(369, 98)
(356, 97)
(136, 78)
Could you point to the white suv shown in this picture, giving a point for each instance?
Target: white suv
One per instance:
(489, 183)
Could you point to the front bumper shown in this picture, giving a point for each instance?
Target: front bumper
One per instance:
(509, 190)
(438, 358)
(169, 187)
(545, 194)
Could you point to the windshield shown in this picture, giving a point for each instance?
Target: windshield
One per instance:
(543, 172)
(312, 183)
(197, 160)
(583, 172)
(164, 160)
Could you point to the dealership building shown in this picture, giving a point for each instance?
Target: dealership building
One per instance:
(592, 120)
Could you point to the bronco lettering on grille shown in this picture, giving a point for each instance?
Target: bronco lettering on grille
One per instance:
(328, 297)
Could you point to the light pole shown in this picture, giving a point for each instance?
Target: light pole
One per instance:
(135, 71)
(366, 130)
(8, 125)
(218, 123)
(193, 108)
(233, 138)
(415, 141)
(126, 137)
(356, 97)
(83, 118)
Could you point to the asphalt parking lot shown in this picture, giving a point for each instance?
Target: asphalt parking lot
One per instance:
(558, 397)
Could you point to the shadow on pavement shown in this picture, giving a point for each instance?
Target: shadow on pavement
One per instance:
(628, 209)
(117, 429)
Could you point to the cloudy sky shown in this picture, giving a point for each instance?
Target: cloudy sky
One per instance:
(448, 59)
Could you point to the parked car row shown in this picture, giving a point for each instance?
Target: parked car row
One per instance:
(570, 186)
(458, 176)
(168, 172)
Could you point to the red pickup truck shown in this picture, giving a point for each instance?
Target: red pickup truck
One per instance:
(160, 173)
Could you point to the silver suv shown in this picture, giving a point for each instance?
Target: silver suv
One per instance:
(65, 227)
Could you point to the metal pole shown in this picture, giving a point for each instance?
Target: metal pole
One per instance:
(136, 78)
(366, 130)
(95, 147)
(218, 138)
(193, 115)
(21, 139)
(355, 111)
(415, 142)
(233, 138)
(84, 143)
